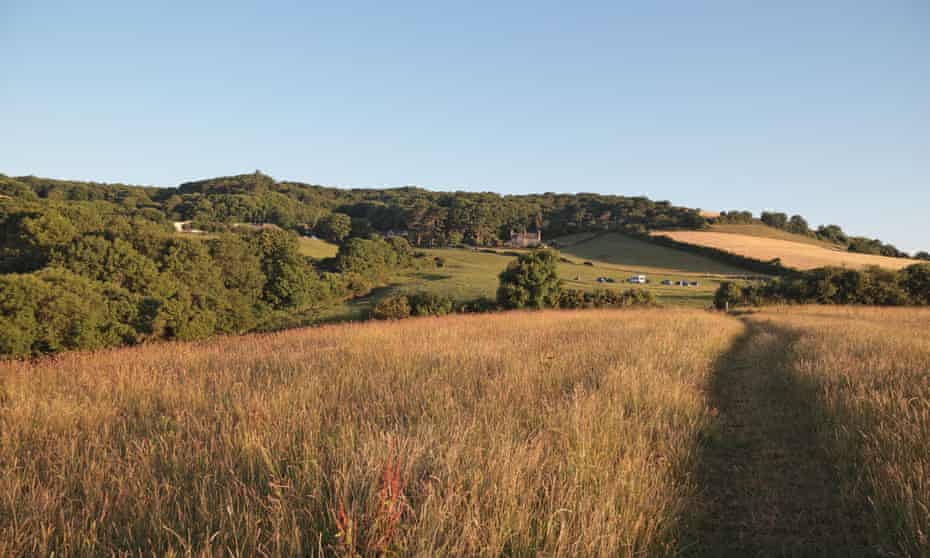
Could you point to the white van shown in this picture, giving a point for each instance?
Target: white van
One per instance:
(638, 279)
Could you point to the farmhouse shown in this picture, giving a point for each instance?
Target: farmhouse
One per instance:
(525, 239)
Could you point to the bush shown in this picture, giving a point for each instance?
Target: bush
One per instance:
(606, 298)
(728, 294)
(916, 280)
(392, 308)
(428, 304)
(479, 305)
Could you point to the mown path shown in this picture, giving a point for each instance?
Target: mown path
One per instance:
(768, 487)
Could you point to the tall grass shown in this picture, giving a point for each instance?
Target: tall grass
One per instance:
(871, 372)
(558, 434)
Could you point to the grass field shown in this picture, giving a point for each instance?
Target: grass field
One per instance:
(635, 255)
(765, 231)
(460, 436)
(317, 248)
(796, 255)
(468, 274)
(664, 432)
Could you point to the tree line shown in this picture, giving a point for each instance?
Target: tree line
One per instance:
(832, 285)
(796, 224)
(428, 218)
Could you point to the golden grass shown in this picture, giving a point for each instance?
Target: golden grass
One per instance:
(553, 433)
(765, 231)
(796, 255)
(624, 433)
(870, 372)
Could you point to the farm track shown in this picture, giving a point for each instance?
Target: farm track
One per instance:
(768, 487)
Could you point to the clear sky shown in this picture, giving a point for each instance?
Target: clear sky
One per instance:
(815, 107)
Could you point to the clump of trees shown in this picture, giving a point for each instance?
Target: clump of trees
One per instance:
(735, 217)
(830, 285)
(531, 281)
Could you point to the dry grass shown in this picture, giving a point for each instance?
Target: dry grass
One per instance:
(794, 431)
(765, 231)
(796, 255)
(869, 371)
(557, 434)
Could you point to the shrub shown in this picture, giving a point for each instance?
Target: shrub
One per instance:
(428, 304)
(606, 298)
(392, 308)
(479, 305)
(728, 294)
(916, 280)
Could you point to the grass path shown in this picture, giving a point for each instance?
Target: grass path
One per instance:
(769, 488)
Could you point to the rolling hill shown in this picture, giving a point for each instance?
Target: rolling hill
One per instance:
(764, 231)
(467, 273)
(793, 254)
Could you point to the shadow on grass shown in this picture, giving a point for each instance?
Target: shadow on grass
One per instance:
(767, 485)
(433, 276)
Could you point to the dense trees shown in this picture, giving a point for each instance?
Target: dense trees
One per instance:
(429, 218)
(829, 285)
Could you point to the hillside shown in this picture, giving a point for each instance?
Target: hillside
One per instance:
(468, 274)
(765, 231)
(793, 254)
(636, 255)
(574, 433)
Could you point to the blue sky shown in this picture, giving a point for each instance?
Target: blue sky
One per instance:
(819, 108)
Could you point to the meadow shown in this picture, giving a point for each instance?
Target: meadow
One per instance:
(658, 432)
(514, 434)
(317, 248)
(802, 255)
(468, 274)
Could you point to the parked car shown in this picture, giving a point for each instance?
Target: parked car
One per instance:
(667, 282)
(638, 279)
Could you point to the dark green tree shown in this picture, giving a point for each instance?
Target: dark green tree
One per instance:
(916, 281)
(531, 281)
